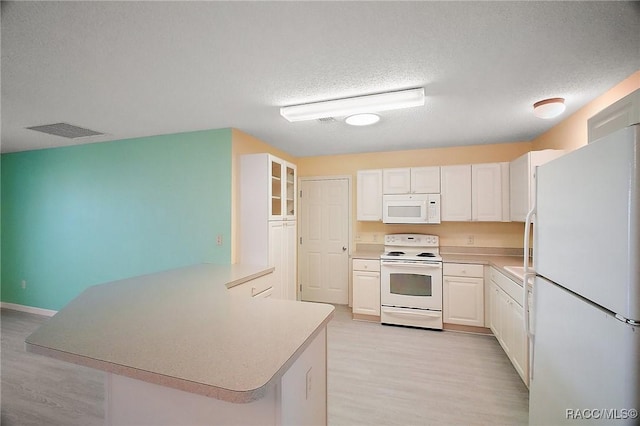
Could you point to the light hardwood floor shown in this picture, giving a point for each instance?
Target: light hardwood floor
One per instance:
(386, 375)
(378, 375)
(37, 390)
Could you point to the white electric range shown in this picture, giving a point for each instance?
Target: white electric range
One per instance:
(411, 281)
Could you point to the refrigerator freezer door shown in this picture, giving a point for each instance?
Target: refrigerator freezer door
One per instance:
(583, 359)
(587, 229)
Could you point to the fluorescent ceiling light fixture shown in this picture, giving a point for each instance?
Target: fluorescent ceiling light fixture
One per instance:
(362, 119)
(357, 105)
(549, 108)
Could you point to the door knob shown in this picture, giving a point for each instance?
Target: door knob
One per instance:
(344, 248)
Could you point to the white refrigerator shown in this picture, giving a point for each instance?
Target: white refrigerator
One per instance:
(585, 315)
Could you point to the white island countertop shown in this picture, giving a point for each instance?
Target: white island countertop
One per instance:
(182, 329)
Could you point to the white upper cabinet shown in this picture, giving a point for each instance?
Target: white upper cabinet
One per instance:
(282, 191)
(475, 192)
(456, 193)
(425, 180)
(522, 181)
(412, 180)
(369, 195)
(396, 181)
(490, 192)
(267, 187)
(618, 115)
(290, 187)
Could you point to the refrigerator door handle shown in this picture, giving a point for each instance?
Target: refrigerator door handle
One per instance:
(527, 273)
(525, 289)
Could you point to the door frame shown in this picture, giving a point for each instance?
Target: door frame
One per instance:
(349, 179)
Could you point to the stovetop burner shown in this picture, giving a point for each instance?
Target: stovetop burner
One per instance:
(413, 248)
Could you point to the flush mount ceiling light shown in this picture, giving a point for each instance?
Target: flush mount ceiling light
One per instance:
(549, 108)
(362, 119)
(357, 105)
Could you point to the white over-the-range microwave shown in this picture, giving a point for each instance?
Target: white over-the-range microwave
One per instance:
(411, 208)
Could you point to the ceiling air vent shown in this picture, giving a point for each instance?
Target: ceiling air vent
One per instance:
(65, 130)
(326, 120)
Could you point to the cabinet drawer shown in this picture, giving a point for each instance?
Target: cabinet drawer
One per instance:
(366, 265)
(512, 288)
(254, 287)
(463, 270)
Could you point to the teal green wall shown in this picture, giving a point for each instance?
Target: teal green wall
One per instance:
(78, 216)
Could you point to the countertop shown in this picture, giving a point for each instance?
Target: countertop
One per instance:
(182, 329)
(497, 260)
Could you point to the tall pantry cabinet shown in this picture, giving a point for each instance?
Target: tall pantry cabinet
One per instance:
(268, 208)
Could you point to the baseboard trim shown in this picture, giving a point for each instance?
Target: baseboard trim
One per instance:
(29, 309)
(363, 317)
(467, 328)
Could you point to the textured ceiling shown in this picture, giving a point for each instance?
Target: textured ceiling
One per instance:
(131, 69)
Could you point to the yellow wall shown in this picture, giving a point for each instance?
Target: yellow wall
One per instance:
(451, 233)
(571, 133)
(243, 143)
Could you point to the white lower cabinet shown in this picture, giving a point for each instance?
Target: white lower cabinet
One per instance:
(261, 287)
(507, 321)
(366, 287)
(463, 294)
(282, 256)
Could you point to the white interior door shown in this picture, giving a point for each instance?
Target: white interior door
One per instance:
(324, 243)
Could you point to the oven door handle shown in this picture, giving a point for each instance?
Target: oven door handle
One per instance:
(407, 313)
(420, 265)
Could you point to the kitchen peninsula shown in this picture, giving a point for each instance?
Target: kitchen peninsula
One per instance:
(179, 347)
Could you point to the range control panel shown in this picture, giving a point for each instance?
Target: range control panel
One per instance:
(412, 240)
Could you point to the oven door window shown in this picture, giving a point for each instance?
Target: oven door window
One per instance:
(410, 284)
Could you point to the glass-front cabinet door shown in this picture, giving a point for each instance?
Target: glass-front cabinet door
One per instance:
(290, 185)
(282, 196)
(275, 208)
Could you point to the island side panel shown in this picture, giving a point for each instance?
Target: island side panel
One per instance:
(303, 388)
(134, 402)
(300, 398)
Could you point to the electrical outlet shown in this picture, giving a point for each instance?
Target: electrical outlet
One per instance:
(23, 284)
(470, 240)
(219, 240)
(308, 379)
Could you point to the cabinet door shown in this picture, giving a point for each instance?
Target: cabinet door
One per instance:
(276, 242)
(519, 178)
(456, 193)
(369, 196)
(366, 293)
(396, 181)
(518, 340)
(494, 310)
(487, 192)
(425, 180)
(463, 301)
(290, 187)
(505, 327)
(290, 261)
(276, 168)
